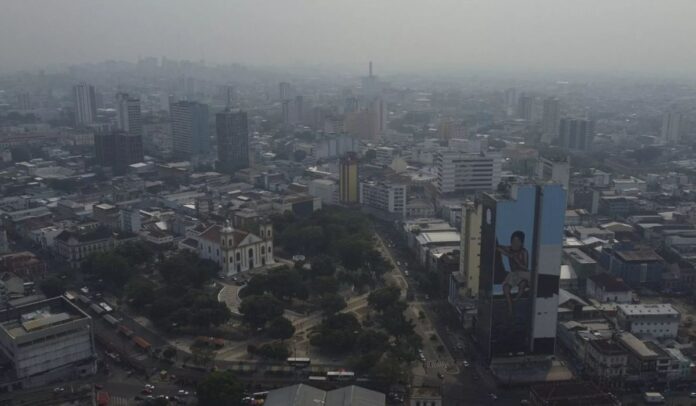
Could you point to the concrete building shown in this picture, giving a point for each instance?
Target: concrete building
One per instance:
(607, 288)
(85, 104)
(575, 134)
(232, 140)
(606, 362)
(654, 320)
(118, 149)
(384, 155)
(521, 245)
(428, 240)
(671, 127)
(305, 395)
(386, 198)
(570, 393)
(349, 188)
(325, 189)
(236, 250)
(190, 132)
(425, 396)
(470, 258)
(44, 342)
(550, 120)
(525, 106)
(128, 117)
(460, 173)
(554, 170)
(76, 245)
(637, 266)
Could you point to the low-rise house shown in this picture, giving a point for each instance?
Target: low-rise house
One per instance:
(607, 288)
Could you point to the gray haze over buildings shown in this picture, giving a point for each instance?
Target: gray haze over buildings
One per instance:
(399, 35)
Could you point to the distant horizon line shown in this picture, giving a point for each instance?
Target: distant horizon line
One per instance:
(451, 71)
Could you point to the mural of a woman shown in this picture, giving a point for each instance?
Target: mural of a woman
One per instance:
(519, 274)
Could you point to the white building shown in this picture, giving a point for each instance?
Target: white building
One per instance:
(325, 189)
(46, 341)
(128, 114)
(607, 288)
(236, 250)
(384, 196)
(655, 320)
(554, 170)
(461, 172)
(384, 155)
(631, 185)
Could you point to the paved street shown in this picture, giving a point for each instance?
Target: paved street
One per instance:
(470, 385)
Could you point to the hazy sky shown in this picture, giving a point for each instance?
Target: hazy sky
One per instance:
(399, 35)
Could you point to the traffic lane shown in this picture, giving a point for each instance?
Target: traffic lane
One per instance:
(131, 390)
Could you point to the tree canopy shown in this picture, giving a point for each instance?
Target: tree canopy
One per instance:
(280, 328)
(258, 310)
(220, 388)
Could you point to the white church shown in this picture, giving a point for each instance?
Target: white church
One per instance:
(236, 250)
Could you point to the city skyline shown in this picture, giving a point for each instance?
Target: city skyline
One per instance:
(625, 36)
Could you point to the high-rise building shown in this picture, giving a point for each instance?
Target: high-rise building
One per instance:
(232, 132)
(85, 104)
(575, 134)
(671, 127)
(521, 246)
(371, 85)
(470, 254)
(464, 172)
(525, 105)
(554, 169)
(285, 91)
(378, 110)
(128, 114)
(118, 149)
(510, 101)
(189, 128)
(550, 120)
(348, 183)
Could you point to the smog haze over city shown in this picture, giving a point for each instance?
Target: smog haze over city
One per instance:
(401, 35)
(338, 203)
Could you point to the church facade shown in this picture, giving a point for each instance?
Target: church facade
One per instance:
(236, 250)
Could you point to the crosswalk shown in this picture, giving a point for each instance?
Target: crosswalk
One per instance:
(120, 401)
